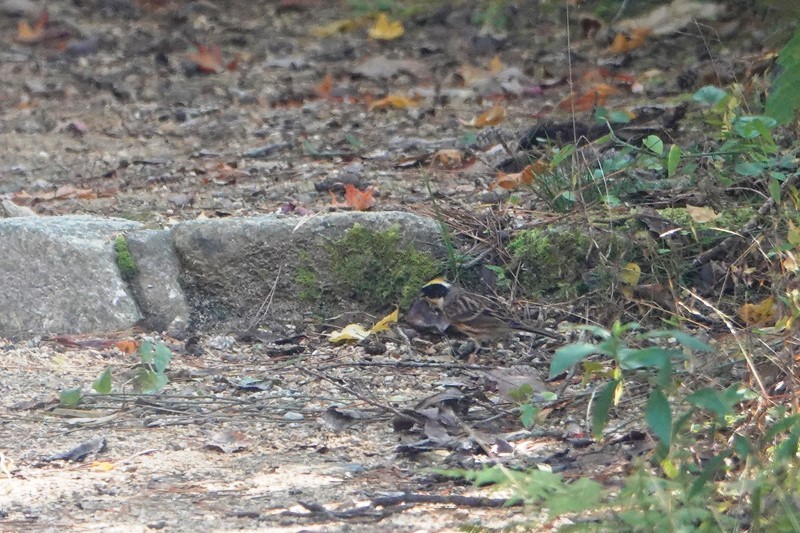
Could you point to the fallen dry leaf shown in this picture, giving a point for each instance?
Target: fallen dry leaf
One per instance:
(351, 332)
(128, 346)
(323, 90)
(596, 96)
(523, 177)
(385, 29)
(358, 200)
(395, 101)
(384, 323)
(447, 158)
(701, 215)
(763, 313)
(623, 44)
(496, 65)
(491, 117)
(207, 58)
(332, 28)
(32, 35)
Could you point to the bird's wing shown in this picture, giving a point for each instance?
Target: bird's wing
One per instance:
(467, 308)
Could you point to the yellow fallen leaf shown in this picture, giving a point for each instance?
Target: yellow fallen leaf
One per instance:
(351, 332)
(495, 65)
(332, 28)
(102, 466)
(701, 215)
(759, 314)
(393, 100)
(384, 323)
(385, 29)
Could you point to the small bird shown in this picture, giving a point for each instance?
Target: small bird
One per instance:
(471, 314)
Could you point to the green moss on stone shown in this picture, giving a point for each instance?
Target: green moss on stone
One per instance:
(377, 269)
(125, 262)
(307, 281)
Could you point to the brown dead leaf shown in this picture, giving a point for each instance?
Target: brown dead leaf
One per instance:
(207, 58)
(701, 215)
(62, 193)
(225, 174)
(496, 65)
(32, 35)
(447, 158)
(760, 314)
(323, 90)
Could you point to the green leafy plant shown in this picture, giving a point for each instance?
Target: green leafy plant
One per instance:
(150, 377)
(784, 98)
(658, 360)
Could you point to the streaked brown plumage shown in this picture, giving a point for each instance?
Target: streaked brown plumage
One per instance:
(472, 314)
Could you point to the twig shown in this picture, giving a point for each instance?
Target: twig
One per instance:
(726, 319)
(728, 243)
(358, 395)
(450, 499)
(267, 301)
(408, 364)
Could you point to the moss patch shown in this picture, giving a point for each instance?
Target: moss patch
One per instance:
(552, 262)
(376, 269)
(307, 281)
(125, 262)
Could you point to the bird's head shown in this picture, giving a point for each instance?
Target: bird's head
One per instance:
(435, 291)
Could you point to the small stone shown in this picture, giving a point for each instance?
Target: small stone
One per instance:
(293, 415)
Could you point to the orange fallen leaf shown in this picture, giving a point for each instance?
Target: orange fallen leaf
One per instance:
(323, 89)
(395, 101)
(598, 95)
(128, 346)
(491, 117)
(447, 158)
(385, 29)
(28, 35)
(353, 198)
(623, 44)
(523, 177)
(207, 58)
(359, 200)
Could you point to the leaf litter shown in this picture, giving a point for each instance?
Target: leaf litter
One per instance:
(262, 122)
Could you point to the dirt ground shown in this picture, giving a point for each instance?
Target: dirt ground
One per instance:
(107, 114)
